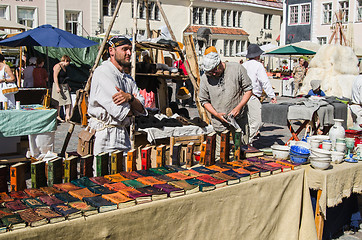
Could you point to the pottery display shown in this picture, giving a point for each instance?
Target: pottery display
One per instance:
(337, 131)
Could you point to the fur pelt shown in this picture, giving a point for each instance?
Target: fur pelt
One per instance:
(336, 67)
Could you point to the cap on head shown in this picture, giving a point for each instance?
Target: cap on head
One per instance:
(254, 51)
(116, 41)
(32, 60)
(315, 84)
(210, 61)
(210, 49)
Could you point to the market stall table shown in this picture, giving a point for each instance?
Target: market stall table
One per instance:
(306, 111)
(273, 207)
(32, 120)
(335, 183)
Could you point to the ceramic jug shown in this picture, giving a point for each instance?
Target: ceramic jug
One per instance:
(337, 131)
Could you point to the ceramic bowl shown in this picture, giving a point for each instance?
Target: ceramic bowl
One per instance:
(327, 145)
(280, 151)
(302, 144)
(299, 150)
(340, 147)
(337, 157)
(317, 152)
(320, 137)
(298, 159)
(315, 143)
(321, 159)
(320, 164)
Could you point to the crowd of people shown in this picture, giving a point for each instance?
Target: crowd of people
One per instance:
(229, 91)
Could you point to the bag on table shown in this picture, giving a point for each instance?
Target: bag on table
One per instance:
(86, 141)
(9, 88)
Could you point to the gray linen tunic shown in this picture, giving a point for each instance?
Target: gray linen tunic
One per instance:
(108, 118)
(225, 92)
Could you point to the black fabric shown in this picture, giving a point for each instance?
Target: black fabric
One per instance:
(63, 76)
(150, 83)
(168, 42)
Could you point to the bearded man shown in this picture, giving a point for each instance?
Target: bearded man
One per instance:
(113, 98)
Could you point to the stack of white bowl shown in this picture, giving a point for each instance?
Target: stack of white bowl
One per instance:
(320, 158)
(280, 151)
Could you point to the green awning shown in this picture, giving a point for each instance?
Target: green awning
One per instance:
(291, 50)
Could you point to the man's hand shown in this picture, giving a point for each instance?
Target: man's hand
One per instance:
(220, 116)
(121, 97)
(235, 112)
(273, 100)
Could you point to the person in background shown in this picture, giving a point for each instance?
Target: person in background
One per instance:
(316, 89)
(260, 82)
(17, 73)
(40, 75)
(60, 91)
(225, 88)
(298, 75)
(356, 99)
(28, 73)
(114, 97)
(6, 76)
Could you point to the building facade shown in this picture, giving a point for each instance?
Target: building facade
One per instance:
(325, 18)
(314, 20)
(233, 24)
(298, 20)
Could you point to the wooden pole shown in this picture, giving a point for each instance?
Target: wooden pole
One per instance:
(187, 67)
(133, 69)
(148, 30)
(20, 66)
(101, 49)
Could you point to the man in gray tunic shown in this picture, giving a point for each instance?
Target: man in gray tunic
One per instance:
(225, 88)
(113, 98)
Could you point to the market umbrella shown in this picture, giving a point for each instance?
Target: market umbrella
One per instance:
(47, 36)
(290, 50)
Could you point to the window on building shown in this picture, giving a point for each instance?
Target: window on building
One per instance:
(26, 16)
(235, 18)
(208, 16)
(3, 12)
(267, 21)
(322, 40)
(305, 13)
(228, 18)
(243, 46)
(213, 42)
(344, 5)
(198, 15)
(226, 48)
(293, 14)
(359, 12)
(72, 22)
(156, 13)
(327, 13)
(141, 10)
(231, 48)
(240, 19)
(237, 46)
(213, 17)
(223, 18)
(109, 6)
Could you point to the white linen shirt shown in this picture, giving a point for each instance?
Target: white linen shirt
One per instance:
(357, 97)
(108, 118)
(259, 79)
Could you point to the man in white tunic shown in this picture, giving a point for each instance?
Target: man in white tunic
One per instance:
(113, 98)
(356, 106)
(260, 81)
